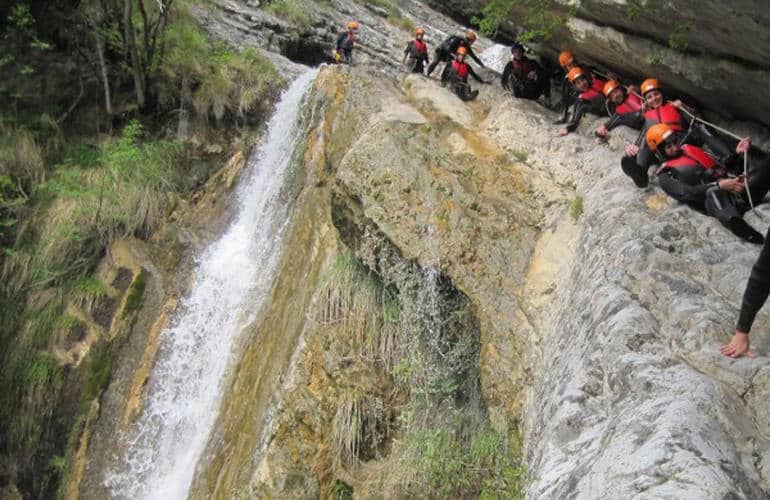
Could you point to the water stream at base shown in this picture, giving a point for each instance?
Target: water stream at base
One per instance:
(233, 278)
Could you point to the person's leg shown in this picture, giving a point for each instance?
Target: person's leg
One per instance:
(440, 55)
(721, 205)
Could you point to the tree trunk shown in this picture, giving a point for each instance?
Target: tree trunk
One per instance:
(136, 64)
(103, 71)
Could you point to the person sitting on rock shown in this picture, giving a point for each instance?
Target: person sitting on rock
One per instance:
(448, 48)
(623, 106)
(416, 53)
(524, 77)
(692, 176)
(590, 99)
(656, 110)
(345, 43)
(456, 76)
(569, 94)
(754, 297)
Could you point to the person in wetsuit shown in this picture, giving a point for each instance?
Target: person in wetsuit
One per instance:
(569, 94)
(656, 110)
(590, 98)
(692, 176)
(456, 73)
(345, 43)
(416, 53)
(524, 77)
(448, 48)
(754, 297)
(624, 107)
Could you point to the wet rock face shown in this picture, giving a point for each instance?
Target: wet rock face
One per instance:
(721, 47)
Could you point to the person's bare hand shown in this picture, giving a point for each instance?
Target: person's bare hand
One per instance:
(562, 132)
(532, 75)
(743, 145)
(733, 185)
(738, 346)
(632, 150)
(602, 131)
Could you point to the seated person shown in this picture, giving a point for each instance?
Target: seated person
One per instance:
(524, 77)
(590, 98)
(692, 176)
(623, 106)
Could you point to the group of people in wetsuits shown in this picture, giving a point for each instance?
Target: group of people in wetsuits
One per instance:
(692, 164)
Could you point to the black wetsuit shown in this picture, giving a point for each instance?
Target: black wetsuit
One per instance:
(416, 56)
(692, 183)
(757, 289)
(455, 75)
(516, 79)
(345, 43)
(448, 48)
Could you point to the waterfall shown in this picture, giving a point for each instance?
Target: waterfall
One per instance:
(233, 278)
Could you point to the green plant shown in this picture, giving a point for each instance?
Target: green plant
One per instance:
(135, 293)
(341, 490)
(520, 155)
(540, 18)
(576, 207)
(654, 57)
(98, 371)
(680, 37)
(294, 11)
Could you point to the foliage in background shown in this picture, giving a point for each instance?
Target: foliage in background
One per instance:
(87, 93)
(539, 19)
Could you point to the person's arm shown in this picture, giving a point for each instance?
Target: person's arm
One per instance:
(474, 75)
(506, 75)
(580, 109)
(757, 289)
(632, 120)
(681, 191)
(473, 55)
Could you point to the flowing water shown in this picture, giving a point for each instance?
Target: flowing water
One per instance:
(233, 278)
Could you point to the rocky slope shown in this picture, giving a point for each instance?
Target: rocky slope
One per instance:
(590, 311)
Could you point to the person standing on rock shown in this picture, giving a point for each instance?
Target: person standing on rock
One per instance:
(623, 106)
(692, 176)
(345, 43)
(590, 98)
(656, 110)
(524, 77)
(416, 53)
(456, 76)
(754, 297)
(448, 48)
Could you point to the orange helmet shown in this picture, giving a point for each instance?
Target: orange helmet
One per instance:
(650, 84)
(657, 135)
(470, 35)
(419, 31)
(565, 58)
(461, 50)
(610, 86)
(576, 73)
(352, 25)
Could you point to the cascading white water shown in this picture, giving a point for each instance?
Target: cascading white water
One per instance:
(233, 277)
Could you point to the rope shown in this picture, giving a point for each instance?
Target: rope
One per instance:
(734, 136)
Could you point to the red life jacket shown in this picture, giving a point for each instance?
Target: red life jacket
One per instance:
(524, 65)
(667, 114)
(461, 69)
(597, 84)
(420, 46)
(590, 95)
(632, 104)
(692, 156)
